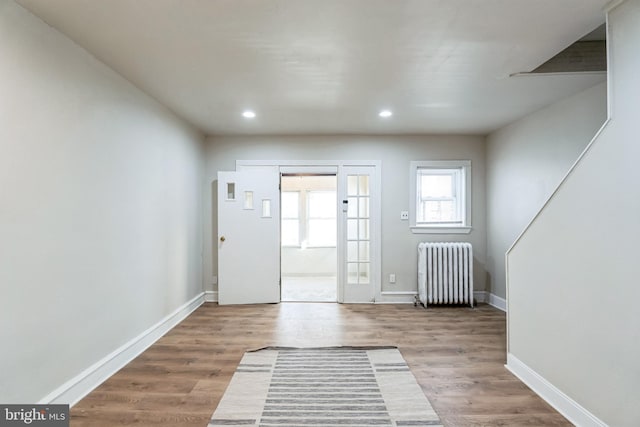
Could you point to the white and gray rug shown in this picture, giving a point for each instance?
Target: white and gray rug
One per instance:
(343, 386)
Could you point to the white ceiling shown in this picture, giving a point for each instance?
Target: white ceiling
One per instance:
(329, 66)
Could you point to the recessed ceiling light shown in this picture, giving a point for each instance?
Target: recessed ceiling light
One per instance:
(248, 114)
(385, 113)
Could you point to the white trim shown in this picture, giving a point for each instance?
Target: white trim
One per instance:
(376, 228)
(440, 230)
(397, 297)
(311, 170)
(466, 196)
(82, 384)
(558, 73)
(480, 296)
(409, 297)
(210, 296)
(560, 185)
(610, 6)
(568, 407)
(404, 301)
(305, 163)
(609, 44)
(398, 293)
(498, 302)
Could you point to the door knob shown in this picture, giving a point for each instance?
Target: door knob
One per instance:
(222, 238)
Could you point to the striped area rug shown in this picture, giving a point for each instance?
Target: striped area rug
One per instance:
(356, 387)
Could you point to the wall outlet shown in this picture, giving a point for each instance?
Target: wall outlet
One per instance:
(392, 278)
(215, 280)
(404, 215)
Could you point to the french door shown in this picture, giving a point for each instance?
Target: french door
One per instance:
(249, 232)
(359, 258)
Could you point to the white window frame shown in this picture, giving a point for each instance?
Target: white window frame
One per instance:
(297, 245)
(463, 186)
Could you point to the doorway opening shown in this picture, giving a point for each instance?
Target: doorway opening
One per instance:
(309, 235)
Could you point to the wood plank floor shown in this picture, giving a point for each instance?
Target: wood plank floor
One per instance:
(456, 354)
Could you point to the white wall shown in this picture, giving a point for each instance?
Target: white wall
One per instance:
(309, 262)
(526, 161)
(100, 209)
(399, 245)
(573, 277)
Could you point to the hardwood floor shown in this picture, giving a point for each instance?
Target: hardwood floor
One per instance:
(456, 354)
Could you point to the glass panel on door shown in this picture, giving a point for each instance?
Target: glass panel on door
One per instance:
(358, 226)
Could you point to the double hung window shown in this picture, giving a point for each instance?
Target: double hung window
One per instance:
(440, 194)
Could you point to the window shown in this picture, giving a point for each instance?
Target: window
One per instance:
(438, 197)
(290, 207)
(309, 218)
(440, 191)
(321, 214)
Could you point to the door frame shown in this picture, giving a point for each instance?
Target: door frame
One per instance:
(292, 166)
(317, 171)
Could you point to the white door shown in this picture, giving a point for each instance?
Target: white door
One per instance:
(360, 251)
(249, 237)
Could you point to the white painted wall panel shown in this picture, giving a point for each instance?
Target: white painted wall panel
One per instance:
(573, 277)
(100, 209)
(525, 163)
